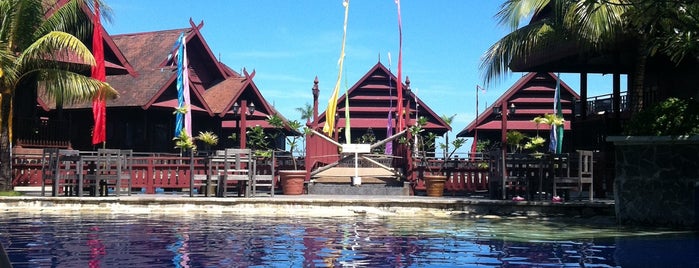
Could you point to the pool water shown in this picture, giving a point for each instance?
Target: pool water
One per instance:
(224, 240)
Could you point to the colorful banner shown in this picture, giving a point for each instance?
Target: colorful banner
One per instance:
(329, 126)
(399, 86)
(389, 124)
(99, 102)
(556, 137)
(183, 114)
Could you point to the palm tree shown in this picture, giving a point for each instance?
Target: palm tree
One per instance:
(447, 119)
(657, 27)
(32, 45)
(306, 111)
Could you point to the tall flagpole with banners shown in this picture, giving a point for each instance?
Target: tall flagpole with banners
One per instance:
(399, 85)
(99, 103)
(556, 136)
(330, 112)
(183, 121)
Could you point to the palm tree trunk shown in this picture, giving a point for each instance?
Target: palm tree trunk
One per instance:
(5, 143)
(636, 96)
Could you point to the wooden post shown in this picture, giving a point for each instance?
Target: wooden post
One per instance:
(243, 122)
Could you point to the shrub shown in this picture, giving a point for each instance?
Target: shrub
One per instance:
(670, 117)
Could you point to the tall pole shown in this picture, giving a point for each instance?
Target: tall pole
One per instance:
(503, 141)
(243, 122)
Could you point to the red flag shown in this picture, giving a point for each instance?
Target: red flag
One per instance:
(99, 104)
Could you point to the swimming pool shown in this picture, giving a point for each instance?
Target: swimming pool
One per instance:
(225, 240)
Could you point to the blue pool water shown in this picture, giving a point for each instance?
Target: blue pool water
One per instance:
(222, 240)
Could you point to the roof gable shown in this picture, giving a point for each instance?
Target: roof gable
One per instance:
(533, 96)
(374, 95)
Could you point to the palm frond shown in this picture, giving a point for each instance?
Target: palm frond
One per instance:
(67, 87)
(597, 23)
(56, 45)
(20, 21)
(518, 44)
(512, 12)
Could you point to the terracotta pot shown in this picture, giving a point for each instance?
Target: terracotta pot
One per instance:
(292, 181)
(434, 184)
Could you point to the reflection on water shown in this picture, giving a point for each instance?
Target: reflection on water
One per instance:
(203, 240)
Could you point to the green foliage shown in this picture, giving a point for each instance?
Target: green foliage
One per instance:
(181, 110)
(10, 193)
(368, 137)
(670, 117)
(257, 138)
(208, 138)
(184, 142)
(535, 143)
(515, 139)
(293, 141)
(483, 145)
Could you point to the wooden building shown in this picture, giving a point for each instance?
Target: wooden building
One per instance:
(142, 118)
(531, 96)
(371, 99)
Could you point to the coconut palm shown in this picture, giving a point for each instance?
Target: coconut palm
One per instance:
(32, 45)
(665, 27)
(590, 24)
(445, 146)
(306, 111)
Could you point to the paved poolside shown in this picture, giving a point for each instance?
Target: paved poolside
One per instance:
(308, 205)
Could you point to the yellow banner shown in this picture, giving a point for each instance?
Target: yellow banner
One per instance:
(329, 126)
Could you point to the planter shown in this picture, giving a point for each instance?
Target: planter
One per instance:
(434, 185)
(292, 181)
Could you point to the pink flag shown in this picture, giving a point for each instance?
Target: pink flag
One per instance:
(399, 86)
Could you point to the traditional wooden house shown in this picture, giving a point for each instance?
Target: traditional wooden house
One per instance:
(373, 99)
(531, 96)
(142, 118)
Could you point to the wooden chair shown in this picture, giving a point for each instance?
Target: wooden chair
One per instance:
(517, 176)
(235, 165)
(264, 176)
(585, 170)
(562, 180)
(560, 174)
(49, 165)
(107, 171)
(60, 169)
(125, 172)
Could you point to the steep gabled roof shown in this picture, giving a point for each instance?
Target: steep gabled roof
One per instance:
(533, 96)
(225, 94)
(374, 95)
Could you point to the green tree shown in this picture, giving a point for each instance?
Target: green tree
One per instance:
(656, 27)
(32, 45)
(306, 111)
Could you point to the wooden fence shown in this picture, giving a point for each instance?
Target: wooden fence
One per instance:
(464, 176)
(171, 172)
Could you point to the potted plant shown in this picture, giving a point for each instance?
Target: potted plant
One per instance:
(293, 180)
(537, 142)
(435, 179)
(184, 142)
(209, 139)
(515, 139)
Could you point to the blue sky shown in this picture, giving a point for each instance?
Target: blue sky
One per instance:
(289, 43)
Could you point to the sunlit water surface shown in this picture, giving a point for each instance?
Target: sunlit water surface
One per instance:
(221, 240)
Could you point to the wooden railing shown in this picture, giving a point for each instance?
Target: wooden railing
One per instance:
(172, 172)
(150, 171)
(464, 176)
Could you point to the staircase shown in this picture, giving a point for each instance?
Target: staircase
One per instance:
(374, 181)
